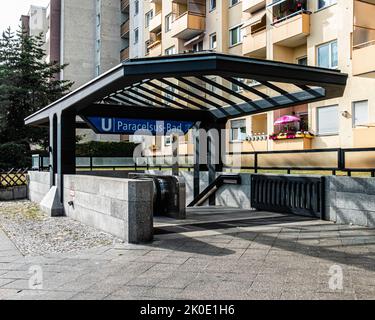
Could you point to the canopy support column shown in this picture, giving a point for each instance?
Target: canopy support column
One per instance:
(209, 149)
(175, 154)
(66, 155)
(215, 152)
(53, 149)
(197, 162)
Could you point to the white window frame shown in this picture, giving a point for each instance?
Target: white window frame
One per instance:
(318, 122)
(231, 44)
(237, 88)
(329, 44)
(136, 7)
(301, 58)
(148, 17)
(136, 35)
(168, 22)
(354, 103)
(331, 3)
(233, 2)
(239, 132)
(212, 35)
(212, 5)
(170, 51)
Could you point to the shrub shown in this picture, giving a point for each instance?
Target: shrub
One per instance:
(105, 149)
(14, 155)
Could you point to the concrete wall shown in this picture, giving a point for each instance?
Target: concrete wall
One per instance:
(38, 185)
(121, 207)
(351, 200)
(13, 193)
(235, 196)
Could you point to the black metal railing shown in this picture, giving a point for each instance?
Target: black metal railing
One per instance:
(329, 160)
(342, 160)
(288, 194)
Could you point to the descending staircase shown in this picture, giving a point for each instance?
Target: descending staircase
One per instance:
(214, 187)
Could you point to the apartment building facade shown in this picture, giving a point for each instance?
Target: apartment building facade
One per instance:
(325, 33)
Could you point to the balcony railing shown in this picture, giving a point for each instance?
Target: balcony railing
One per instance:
(254, 44)
(154, 49)
(251, 6)
(188, 25)
(125, 29)
(125, 6)
(124, 54)
(291, 30)
(155, 23)
(363, 59)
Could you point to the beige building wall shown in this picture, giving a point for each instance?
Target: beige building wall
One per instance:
(288, 41)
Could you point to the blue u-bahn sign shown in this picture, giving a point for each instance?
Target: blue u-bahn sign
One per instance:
(139, 126)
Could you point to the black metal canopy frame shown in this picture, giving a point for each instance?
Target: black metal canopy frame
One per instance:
(200, 87)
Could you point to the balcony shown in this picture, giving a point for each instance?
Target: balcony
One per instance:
(254, 45)
(188, 25)
(363, 62)
(255, 39)
(251, 6)
(124, 54)
(125, 30)
(363, 39)
(155, 23)
(154, 49)
(292, 31)
(124, 6)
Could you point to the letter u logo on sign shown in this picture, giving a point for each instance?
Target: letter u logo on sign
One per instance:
(106, 124)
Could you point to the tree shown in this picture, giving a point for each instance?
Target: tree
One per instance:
(27, 84)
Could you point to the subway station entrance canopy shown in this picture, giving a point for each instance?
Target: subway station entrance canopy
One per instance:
(146, 87)
(200, 87)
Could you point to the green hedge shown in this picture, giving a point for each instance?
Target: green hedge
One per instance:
(105, 149)
(14, 155)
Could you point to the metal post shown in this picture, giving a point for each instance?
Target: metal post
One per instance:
(91, 166)
(175, 153)
(215, 152)
(196, 159)
(66, 158)
(52, 149)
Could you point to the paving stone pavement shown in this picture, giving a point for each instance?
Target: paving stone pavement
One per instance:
(280, 260)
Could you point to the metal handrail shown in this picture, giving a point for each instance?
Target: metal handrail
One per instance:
(302, 11)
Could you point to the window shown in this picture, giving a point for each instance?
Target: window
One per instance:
(168, 141)
(236, 87)
(302, 61)
(147, 44)
(148, 17)
(198, 46)
(136, 7)
(325, 3)
(211, 87)
(360, 113)
(136, 36)
(212, 5)
(168, 22)
(170, 95)
(213, 41)
(235, 36)
(328, 55)
(328, 120)
(233, 2)
(238, 130)
(171, 50)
